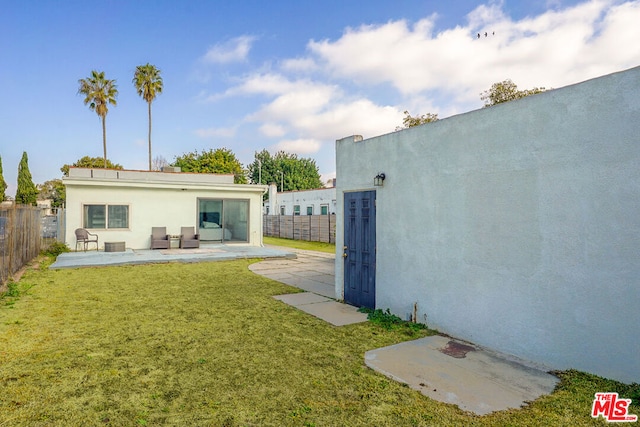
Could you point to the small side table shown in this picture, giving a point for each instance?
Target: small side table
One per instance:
(175, 241)
(114, 246)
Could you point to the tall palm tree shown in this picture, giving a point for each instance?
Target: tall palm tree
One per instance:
(98, 94)
(148, 83)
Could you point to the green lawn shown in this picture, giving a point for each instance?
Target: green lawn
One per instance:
(206, 344)
(301, 244)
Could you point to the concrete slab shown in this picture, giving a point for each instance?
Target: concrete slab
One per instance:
(310, 271)
(338, 314)
(330, 311)
(451, 371)
(206, 252)
(301, 298)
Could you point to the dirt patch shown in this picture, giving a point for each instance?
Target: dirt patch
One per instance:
(18, 274)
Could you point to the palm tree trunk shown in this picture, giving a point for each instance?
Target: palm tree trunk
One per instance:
(149, 135)
(104, 139)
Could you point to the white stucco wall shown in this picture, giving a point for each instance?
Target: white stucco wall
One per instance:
(516, 227)
(155, 200)
(304, 198)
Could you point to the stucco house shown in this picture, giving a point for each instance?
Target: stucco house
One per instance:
(123, 205)
(319, 201)
(515, 227)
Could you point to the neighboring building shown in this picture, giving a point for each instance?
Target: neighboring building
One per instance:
(123, 205)
(515, 227)
(321, 201)
(45, 205)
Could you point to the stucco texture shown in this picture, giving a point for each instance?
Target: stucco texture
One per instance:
(515, 227)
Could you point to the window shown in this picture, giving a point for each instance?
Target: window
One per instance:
(296, 209)
(105, 216)
(223, 219)
(282, 210)
(324, 209)
(309, 210)
(118, 216)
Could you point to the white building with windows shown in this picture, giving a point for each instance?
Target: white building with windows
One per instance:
(321, 201)
(123, 206)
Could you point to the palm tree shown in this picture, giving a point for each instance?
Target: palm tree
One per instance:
(148, 83)
(99, 93)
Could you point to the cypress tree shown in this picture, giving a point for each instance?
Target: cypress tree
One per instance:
(27, 193)
(3, 184)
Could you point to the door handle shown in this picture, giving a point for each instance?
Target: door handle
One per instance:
(344, 254)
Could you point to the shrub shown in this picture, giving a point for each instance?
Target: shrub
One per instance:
(56, 248)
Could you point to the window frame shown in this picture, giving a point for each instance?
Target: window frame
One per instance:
(296, 210)
(106, 206)
(310, 210)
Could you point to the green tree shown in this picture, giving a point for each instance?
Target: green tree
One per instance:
(506, 91)
(53, 189)
(148, 83)
(3, 184)
(220, 160)
(27, 193)
(286, 170)
(98, 94)
(90, 162)
(410, 121)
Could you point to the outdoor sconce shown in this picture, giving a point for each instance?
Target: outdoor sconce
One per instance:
(379, 179)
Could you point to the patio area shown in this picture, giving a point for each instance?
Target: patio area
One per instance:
(206, 252)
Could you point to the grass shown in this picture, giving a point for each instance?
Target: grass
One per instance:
(206, 344)
(301, 244)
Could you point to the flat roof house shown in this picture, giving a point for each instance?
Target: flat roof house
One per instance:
(123, 205)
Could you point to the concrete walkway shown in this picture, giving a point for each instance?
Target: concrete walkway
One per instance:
(308, 270)
(447, 370)
(313, 272)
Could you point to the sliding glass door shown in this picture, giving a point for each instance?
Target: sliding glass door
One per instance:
(223, 220)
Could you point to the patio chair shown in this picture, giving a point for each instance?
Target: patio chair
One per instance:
(160, 238)
(188, 238)
(84, 237)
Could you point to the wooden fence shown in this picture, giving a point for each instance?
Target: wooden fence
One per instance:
(312, 228)
(20, 238)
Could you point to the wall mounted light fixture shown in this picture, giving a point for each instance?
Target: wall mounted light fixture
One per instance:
(378, 180)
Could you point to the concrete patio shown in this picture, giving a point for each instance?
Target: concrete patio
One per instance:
(206, 252)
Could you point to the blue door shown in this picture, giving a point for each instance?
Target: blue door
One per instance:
(360, 248)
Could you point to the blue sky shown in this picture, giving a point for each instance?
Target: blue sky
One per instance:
(291, 75)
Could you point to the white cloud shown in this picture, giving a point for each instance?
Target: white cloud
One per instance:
(340, 87)
(215, 132)
(233, 50)
(299, 65)
(272, 130)
(306, 108)
(298, 146)
(552, 49)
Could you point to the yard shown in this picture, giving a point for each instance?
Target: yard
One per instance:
(206, 344)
